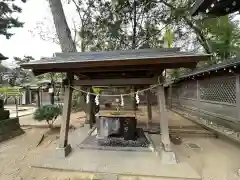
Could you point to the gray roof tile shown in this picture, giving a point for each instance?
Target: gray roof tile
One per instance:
(139, 54)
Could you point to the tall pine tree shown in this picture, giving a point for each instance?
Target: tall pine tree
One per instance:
(7, 20)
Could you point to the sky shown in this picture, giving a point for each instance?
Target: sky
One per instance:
(23, 42)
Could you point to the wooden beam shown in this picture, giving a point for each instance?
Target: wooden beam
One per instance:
(120, 68)
(111, 68)
(114, 82)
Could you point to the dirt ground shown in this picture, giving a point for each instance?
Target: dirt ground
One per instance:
(216, 159)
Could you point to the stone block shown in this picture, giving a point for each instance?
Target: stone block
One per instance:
(4, 114)
(168, 157)
(10, 128)
(1, 104)
(63, 152)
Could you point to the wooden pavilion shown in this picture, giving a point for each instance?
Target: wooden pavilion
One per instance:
(215, 7)
(133, 68)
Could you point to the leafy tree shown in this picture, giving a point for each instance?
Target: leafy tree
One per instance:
(7, 20)
(217, 36)
(224, 36)
(3, 71)
(168, 38)
(48, 113)
(18, 75)
(119, 24)
(54, 78)
(133, 24)
(188, 34)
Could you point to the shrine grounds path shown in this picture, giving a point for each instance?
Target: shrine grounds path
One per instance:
(215, 159)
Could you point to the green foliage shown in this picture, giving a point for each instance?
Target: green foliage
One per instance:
(48, 113)
(77, 100)
(176, 73)
(119, 24)
(168, 38)
(97, 90)
(224, 36)
(23, 60)
(18, 75)
(7, 21)
(124, 24)
(11, 91)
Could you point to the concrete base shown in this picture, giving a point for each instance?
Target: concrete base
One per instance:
(129, 163)
(167, 147)
(167, 157)
(63, 152)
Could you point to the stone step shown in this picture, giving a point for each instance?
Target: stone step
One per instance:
(185, 132)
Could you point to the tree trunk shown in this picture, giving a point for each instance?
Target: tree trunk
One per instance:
(53, 87)
(134, 24)
(63, 32)
(62, 29)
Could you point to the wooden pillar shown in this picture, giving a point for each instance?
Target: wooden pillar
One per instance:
(30, 96)
(91, 108)
(238, 95)
(134, 104)
(42, 99)
(38, 98)
(170, 97)
(198, 99)
(163, 119)
(149, 107)
(16, 104)
(64, 147)
(87, 107)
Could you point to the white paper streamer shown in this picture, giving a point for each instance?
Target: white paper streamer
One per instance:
(97, 99)
(50, 90)
(87, 98)
(122, 100)
(137, 98)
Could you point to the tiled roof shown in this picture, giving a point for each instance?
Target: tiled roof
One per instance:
(226, 64)
(139, 54)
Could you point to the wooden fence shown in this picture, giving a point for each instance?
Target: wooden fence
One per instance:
(213, 96)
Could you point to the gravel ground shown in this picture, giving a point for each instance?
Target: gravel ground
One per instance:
(76, 120)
